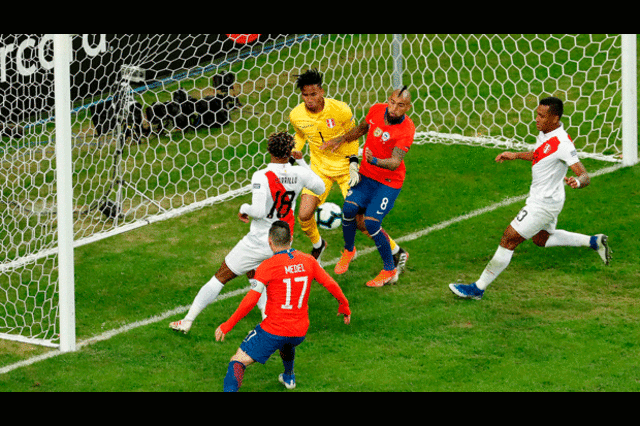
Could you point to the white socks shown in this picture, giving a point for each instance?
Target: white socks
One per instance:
(208, 293)
(205, 297)
(571, 239)
(495, 266)
(503, 256)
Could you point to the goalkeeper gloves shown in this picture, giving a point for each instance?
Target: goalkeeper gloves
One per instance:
(354, 167)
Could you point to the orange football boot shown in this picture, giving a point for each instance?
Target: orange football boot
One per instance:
(343, 264)
(383, 278)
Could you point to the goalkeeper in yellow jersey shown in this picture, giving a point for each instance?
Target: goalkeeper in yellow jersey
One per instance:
(317, 121)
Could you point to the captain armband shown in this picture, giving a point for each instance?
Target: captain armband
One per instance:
(256, 285)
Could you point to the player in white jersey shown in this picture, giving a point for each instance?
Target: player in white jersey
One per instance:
(274, 194)
(553, 155)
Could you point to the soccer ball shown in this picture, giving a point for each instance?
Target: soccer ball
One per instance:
(329, 216)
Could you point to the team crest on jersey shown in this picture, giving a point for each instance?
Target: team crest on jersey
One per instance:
(378, 132)
(545, 150)
(331, 123)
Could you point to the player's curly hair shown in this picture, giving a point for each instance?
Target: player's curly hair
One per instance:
(280, 144)
(309, 78)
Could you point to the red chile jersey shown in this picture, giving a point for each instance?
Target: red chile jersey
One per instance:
(287, 278)
(381, 140)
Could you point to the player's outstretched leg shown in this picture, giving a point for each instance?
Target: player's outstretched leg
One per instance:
(207, 294)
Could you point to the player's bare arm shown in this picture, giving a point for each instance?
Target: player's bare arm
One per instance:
(350, 136)
(581, 179)
(386, 163)
(527, 156)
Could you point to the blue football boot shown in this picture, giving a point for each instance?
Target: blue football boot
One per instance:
(467, 291)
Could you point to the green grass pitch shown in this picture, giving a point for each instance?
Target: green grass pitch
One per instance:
(556, 320)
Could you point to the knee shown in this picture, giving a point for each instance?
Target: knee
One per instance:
(308, 205)
(540, 239)
(305, 216)
(349, 210)
(511, 239)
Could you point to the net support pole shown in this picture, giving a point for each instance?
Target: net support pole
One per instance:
(398, 61)
(64, 167)
(629, 100)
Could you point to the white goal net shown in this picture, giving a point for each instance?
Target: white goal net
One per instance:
(165, 124)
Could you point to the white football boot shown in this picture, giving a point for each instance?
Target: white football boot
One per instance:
(182, 326)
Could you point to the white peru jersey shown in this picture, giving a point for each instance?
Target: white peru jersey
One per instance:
(554, 153)
(264, 210)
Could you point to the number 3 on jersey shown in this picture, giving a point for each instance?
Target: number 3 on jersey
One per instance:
(287, 281)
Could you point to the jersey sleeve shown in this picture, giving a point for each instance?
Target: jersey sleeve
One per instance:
(568, 154)
(259, 193)
(405, 138)
(404, 142)
(248, 302)
(313, 182)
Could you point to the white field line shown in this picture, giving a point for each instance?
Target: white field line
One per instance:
(181, 309)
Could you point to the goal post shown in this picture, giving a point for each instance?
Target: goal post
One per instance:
(64, 191)
(629, 100)
(105, 133)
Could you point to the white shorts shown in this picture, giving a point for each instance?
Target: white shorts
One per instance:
(534, 218)
(247, 255)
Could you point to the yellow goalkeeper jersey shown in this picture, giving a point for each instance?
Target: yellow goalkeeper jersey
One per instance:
(334, 120)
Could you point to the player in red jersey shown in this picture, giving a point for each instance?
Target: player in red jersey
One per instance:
(390, 133)
(286, 277)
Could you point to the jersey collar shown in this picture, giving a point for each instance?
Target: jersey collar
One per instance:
(288, 251)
